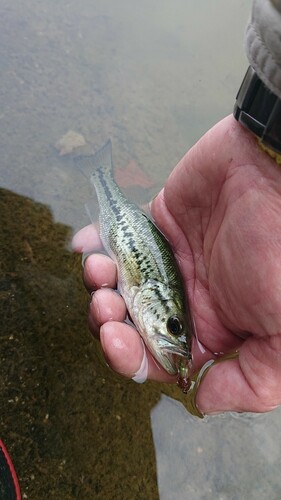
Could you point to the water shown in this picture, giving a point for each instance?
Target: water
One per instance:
(226, 457)
(154, 78)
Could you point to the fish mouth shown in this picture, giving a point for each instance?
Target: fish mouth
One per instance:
(171, 347)
(168, 353)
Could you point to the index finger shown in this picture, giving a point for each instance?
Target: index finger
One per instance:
(99, 270)
(87, 240)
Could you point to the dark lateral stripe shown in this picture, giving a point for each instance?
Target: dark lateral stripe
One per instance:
(108, 192)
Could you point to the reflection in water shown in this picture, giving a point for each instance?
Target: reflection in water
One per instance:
(220, 457)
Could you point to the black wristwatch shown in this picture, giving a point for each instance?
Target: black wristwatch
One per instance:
(259, 110)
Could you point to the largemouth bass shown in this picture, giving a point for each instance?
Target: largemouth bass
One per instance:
(149, 279)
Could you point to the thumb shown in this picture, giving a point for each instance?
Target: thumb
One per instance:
(251, 382)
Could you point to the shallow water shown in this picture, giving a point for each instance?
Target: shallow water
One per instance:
(154, 79)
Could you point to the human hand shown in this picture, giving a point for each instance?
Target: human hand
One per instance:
(221, 211)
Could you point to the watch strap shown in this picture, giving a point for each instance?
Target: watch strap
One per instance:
(259, 110)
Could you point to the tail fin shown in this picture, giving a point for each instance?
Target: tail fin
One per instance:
(90, 162)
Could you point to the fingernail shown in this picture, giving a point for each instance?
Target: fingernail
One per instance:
(141, 375)
(85, 255)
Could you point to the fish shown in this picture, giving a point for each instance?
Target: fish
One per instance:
(149, 278)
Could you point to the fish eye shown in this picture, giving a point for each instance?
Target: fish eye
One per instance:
(175, 325)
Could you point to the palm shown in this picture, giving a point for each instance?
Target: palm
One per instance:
(222, 241)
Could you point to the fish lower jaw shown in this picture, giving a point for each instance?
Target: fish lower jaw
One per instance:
(166, 360)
